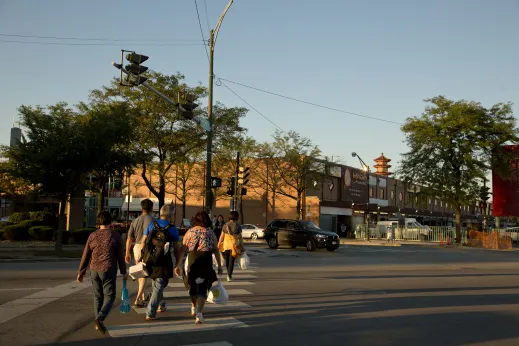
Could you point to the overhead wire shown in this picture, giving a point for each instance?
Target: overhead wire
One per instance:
(99, 44)
(201, 31)
(310, 103)
(207, 16)
(98, 39)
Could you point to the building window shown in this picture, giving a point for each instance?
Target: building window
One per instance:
(381, 194)
(400, 196)
(392, 194)
(430, 201)
(370, 192)
(441, 203)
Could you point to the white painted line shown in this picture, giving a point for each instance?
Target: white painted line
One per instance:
(18, 307)
(182, 294)
(222, 343)
(169, 327)
(232, 283)
(22, 289)
(187, 307)
(238, 276)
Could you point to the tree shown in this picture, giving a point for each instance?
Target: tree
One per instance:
(110, 132)
(451, 148)
(188, 177)
(296, 162)
(53, 155)
(163, 138)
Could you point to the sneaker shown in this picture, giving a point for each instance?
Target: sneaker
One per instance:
(229, 279)
(100, 327)
(194, 310)
(199, 318)
(162, 308)
(149, 318)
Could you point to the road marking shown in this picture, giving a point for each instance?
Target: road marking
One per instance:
(209, 306)
(18, 307)
(232, 283)
(169, 327)
(22, 289)
(238, 276)
(182, 294)
(221, 343)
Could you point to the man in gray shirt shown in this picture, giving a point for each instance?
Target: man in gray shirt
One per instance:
(136, 232)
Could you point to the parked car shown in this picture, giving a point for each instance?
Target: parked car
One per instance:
(295, 233)
(250, 231)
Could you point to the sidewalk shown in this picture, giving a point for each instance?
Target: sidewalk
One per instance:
(37, 251)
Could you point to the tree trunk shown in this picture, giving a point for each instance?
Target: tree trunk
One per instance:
(458, 223)
(184, 198)
(162, 191)
(298, 206)
(101, 199)
(61, 224)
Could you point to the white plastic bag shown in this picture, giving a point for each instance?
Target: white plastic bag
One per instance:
(218, 294)
(215, 263)
(244, 261)
(138, 271)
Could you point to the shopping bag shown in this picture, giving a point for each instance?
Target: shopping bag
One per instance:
(125, 302)
(218, 294)
(138, 271)
(215, 263)
(244, 261)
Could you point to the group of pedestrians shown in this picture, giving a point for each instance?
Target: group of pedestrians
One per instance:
(154, 242)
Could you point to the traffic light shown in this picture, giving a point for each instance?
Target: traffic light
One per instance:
(484, 193)
(135, 68)
(186, 105)
(243, 191)
(230, 190)
(243, 176)
(216, 182)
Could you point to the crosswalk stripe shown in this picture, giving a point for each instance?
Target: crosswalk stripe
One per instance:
(169, 327)
(238, 276)
(221, 343)
(231, 292)
(187, 306)
(232, 283)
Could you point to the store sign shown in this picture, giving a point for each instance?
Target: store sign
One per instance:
(355, 185)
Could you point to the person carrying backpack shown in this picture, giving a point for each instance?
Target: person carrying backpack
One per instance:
(159, 239)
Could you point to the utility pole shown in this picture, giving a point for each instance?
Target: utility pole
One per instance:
(236, 185)
(209, 158)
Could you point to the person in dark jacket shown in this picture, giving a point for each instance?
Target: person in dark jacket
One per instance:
(103, 252)
(218, 226)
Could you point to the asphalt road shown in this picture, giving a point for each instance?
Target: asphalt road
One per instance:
(358, 295)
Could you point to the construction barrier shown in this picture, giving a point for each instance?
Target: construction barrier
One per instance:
(490, 240)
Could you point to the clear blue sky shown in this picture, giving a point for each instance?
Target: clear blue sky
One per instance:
(377, 58)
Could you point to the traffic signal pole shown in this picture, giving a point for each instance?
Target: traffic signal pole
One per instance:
(209, 158)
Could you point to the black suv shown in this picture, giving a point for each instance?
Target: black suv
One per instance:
(295, 233)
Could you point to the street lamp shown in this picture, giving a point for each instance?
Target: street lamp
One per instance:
(366, 169)
(213, 35)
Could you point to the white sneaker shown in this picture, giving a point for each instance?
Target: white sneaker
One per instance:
(194, 310)
(229, 279)
(199, 318)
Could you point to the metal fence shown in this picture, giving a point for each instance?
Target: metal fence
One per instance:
(436, 234)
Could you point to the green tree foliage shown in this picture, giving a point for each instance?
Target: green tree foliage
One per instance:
(110, 130)
(162, 137)
(453, 144)
(294, 163)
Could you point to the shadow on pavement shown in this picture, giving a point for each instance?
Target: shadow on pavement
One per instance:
(340, 318)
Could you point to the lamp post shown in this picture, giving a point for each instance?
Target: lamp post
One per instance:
(213, 35)
(365, 168)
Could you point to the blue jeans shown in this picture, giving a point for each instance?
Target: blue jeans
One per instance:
(157, 297)
(103, 284)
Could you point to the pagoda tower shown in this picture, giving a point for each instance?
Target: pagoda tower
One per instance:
(382, 166)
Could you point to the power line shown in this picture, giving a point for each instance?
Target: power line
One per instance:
(201, 31)
(207, 16)
(248, 104)
(99, 39)
(311, 103)
(101, 44)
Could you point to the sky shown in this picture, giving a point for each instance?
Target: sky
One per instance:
(374, 58)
